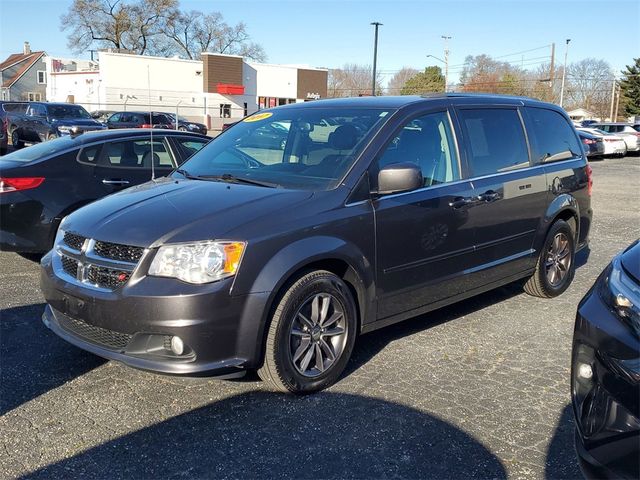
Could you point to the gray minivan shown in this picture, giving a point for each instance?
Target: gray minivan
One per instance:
(275, 258)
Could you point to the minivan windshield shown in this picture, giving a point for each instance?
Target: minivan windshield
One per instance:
(308, 148)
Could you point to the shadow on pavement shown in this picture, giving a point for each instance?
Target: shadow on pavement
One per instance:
(268, 435)
(367, 346)
(34, 360)
(561, 448)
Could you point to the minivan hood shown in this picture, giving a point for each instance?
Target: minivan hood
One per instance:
(171, 211)
(72, 122)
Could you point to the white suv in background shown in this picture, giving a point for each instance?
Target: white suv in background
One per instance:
(625, 130)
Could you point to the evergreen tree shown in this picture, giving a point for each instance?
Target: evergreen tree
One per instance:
(431, 80)
(630, 88)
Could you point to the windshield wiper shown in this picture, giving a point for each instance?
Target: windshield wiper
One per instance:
(227, 177)
(186, 174)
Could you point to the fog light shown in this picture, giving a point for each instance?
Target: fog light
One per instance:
(177, 345)
(584, 370)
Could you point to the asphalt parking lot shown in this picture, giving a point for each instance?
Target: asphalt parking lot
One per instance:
(480, 389)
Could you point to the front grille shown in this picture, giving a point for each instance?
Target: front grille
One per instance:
(98, 335)
(73, 240)
(107, 277)
(69, 265)
(116, 251)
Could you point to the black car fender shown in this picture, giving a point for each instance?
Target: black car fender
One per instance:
(321, 252)
(565, 207)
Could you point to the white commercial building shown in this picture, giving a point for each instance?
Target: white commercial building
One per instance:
(215, 89)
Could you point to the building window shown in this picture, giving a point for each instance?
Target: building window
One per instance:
(42, 77)
(34, 96)
(225, 110)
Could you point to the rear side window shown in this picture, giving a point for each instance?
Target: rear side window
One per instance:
(553, 137)
(495, 140)
(135, 154)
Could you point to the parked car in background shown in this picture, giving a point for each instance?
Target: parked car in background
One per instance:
(5, 110)
(137, 120)
(630, 135)
(235, 263)
(605, 373)
(45, 121)
(228, 125)
(587, 123)
(613, 144)
(102, 115)
(185, 124)
(39, 185)
(593, 145)
(271, 135)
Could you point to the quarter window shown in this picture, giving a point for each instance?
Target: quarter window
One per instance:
(553, 137)
(190, 146)
(495, 139)
(428, 142)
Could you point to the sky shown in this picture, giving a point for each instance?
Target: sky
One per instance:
(333, 33)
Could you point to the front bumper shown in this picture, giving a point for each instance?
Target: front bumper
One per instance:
(133, 324)
(606, 406)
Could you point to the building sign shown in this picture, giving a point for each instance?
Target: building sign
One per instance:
(313, 96)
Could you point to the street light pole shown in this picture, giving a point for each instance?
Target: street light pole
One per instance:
(375, 57)
(446, 62)
(564, 70)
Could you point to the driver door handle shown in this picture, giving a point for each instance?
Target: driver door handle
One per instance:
(115, 182)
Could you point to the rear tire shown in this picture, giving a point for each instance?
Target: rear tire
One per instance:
(311, 335)
(555, 268)
(15, 139)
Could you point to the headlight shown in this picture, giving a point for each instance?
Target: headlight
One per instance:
(201, 262)
(622, 294)
(64, 130)
(192, 125)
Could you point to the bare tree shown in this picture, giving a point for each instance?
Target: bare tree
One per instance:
(397, 82)
(195, 32)
(154, 26)
(115, 24)
(588, 86)
(351, 80)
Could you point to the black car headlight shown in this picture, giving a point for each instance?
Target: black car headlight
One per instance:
(622, 294)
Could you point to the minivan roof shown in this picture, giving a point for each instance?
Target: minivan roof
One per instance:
(401, 101)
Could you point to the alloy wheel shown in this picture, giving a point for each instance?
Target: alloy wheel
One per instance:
(558, 259)
(318, 335)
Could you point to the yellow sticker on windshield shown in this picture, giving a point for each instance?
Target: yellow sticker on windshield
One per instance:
(258, 117)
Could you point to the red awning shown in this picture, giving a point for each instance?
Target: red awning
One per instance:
(229, 89)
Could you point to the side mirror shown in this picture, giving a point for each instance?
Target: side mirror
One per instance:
(399, 177)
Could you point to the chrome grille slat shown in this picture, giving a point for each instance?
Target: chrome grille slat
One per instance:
(96, 264)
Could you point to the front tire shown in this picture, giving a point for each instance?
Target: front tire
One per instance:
(311, 335)
(556, 266)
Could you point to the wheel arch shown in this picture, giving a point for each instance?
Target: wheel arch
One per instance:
(334, 255)
(563, 207)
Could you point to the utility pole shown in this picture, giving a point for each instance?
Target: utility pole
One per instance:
(613, 97)
(564, 71)
(617, 104)
(552, 67)
(446, 62)
(375, 57)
